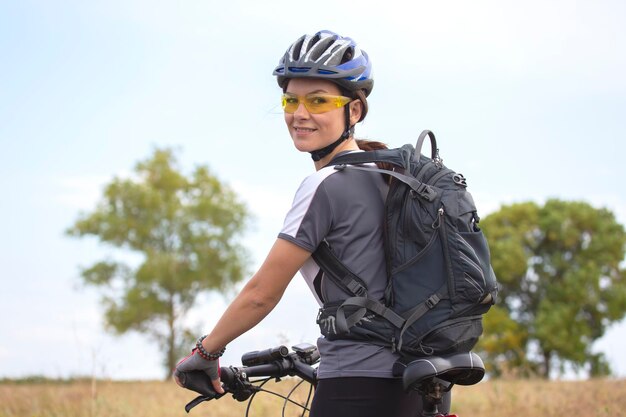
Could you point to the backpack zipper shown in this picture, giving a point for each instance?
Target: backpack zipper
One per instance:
(440, 224)
(390, 246)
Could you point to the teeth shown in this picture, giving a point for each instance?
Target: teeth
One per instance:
(305, 129)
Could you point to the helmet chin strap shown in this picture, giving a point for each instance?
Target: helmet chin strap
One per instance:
(320, 153)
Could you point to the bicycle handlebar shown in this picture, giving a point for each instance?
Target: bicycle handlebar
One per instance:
(432, 377)
(271, 363)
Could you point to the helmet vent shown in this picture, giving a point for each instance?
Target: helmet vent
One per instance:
(319, 48)
(347, 56)
(315, 39)
(296, 48)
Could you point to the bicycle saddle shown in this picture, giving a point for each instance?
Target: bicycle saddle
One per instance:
(458, 368)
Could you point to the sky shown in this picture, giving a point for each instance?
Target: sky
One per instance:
(527, 100)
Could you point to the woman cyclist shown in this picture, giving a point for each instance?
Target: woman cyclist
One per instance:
(325, 80)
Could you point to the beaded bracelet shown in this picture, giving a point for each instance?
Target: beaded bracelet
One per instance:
(206, 355)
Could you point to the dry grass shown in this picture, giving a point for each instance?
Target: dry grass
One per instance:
(126, 399)
(159, 399)
(593, 398)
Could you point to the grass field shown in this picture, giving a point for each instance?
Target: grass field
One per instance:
(527, 398)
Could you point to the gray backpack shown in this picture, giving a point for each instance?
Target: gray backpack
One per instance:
(440, 281)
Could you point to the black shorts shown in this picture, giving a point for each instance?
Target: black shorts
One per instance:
(367, 397)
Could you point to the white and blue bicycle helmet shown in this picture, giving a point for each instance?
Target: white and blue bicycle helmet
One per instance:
(329, 56)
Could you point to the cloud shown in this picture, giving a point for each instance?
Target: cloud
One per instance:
(80, 192)
(84, 191)
(267, 202)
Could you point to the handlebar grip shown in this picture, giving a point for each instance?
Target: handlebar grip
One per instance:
(199, 382)
(264, 356)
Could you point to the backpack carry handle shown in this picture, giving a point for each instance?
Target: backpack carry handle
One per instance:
(433, 145)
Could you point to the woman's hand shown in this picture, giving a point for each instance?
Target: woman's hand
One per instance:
(195, 362)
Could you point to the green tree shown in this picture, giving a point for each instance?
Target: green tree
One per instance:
(560, 281)
(186, 230)
(503, 343)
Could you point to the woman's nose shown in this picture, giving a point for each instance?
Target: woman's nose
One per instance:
(301, 112)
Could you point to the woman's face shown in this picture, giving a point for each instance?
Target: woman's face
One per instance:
(314, 131)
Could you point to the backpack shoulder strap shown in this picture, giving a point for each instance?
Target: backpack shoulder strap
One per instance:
(338, 272)
(423, 190)
(399, 157)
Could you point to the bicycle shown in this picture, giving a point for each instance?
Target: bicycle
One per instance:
(431, 376)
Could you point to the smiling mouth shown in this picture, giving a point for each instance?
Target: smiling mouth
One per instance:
(304, 129)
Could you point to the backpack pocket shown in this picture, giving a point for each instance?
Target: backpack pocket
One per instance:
(456, 335)
(472, 280)
(472, 254)
(420, 277)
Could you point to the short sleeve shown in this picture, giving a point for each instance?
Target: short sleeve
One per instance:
(310, 218)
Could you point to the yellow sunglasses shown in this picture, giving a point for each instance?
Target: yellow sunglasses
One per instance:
(315, 103)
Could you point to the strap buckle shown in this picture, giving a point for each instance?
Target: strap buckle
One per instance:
(357, 289)
(432, 301)
(427, 192)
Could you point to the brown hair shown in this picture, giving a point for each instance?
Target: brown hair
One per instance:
(360, 95)
(370, 145)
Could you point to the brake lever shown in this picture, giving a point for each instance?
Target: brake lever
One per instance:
(201, 398)
(198, 400)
